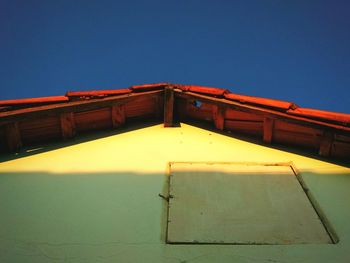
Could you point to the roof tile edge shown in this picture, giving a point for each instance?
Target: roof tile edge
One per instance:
(279, 105)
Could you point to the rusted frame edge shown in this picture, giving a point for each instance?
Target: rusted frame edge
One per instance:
(234, 163)
(323, 218)
(168, 203)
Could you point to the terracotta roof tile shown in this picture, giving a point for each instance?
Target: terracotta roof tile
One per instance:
(97, 93)
(26, 121)
(148, 87)
(204, 90)
(41, 100)
(278, 104)
(340, 118)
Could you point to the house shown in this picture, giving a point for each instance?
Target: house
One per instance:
(172, 173)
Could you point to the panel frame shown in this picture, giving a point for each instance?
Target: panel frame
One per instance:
(310, 197)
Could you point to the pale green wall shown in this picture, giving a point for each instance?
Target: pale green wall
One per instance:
(97, 201)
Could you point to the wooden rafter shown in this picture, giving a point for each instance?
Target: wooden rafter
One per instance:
(75, 106)
(172, 102)
(219, 117)
(118, 115)
(263, 112)
(67, 125)
(168, 107)
(326, 144)
(268, 130)
(13, 136)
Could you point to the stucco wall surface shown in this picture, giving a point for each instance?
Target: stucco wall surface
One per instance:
(97, 200)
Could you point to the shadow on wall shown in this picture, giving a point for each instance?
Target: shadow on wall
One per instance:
(85, 216)
(257, 140)
(81, 138)
(137, 124)
(94, 217)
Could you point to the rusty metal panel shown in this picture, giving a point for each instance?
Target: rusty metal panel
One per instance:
(240, 204)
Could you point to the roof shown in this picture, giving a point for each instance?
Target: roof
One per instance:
(25, 122)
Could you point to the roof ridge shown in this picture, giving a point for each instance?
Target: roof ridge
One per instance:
(279, 105)
(27, 121)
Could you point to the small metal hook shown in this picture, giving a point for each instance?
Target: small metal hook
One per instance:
(166, 197)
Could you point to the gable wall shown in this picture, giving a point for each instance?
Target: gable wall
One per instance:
(97, 201)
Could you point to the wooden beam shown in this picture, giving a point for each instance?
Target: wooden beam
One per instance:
(67, 125)
(326, 144)
(264, 112)
(268, 130)
(74, 106)
(118, 115)
(13, 136)
(168, 107)
(159, 107)
(219, 117)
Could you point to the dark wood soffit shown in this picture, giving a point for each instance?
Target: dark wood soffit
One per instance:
(75, 106)
(264, 112)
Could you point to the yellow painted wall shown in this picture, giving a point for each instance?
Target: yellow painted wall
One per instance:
(97, 201)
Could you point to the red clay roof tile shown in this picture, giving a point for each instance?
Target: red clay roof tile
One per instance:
(341, 118)
(238, 115)
(148, 87)
(41, 100)
(278, 104)
(97, 93)
(204, 90)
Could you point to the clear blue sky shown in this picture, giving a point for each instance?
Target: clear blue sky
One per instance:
(290, 50)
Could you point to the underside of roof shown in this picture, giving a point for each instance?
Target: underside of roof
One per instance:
(26, 122)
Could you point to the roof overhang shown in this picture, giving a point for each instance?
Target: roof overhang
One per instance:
(29, 121)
